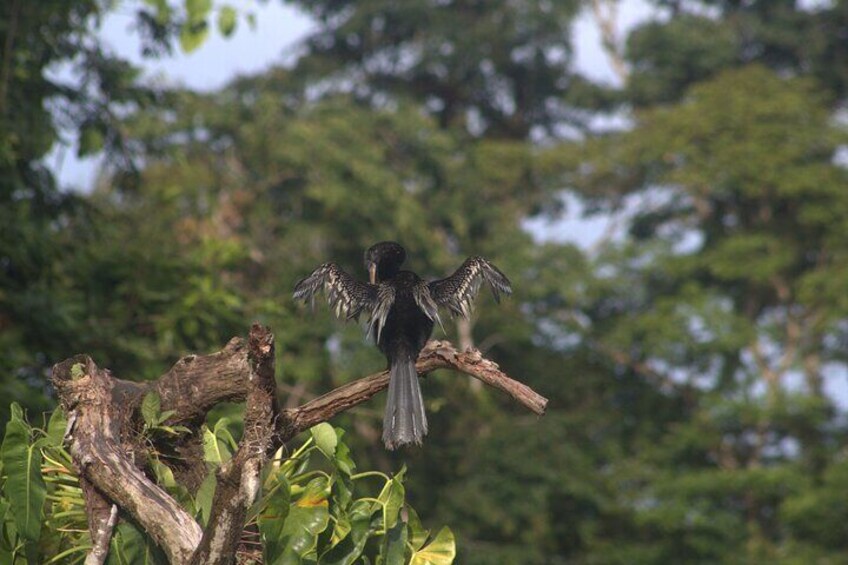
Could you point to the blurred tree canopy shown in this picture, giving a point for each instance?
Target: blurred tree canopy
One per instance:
(693, 355)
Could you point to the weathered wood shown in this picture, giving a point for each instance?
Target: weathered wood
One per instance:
(102, 517)
(103, 437)
(94, 442)
(239, 478)
(436, 355)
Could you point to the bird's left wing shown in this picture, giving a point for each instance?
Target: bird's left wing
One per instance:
(457, 292)
(347, 296)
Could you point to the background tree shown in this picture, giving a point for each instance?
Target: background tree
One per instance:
(692, 357)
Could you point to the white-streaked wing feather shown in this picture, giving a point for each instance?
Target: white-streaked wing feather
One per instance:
(347, 297)
(457, 292)
(424, 299)
(382, 305)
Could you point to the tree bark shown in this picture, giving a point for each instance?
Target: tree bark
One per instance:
(104, 436)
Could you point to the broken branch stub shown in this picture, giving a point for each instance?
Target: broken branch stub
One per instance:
(111, 455)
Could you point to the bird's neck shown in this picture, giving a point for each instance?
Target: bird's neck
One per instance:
(387, 271)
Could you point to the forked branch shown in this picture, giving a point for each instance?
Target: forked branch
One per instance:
(110, 458)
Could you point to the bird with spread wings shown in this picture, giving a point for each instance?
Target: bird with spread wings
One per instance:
(401, 309)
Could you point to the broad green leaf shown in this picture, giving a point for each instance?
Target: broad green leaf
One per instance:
(273, 516)
(300, 532)
(227, 20)
(7, 541)
(165, 415)
(325, 438)
(212, 452)
(56, 427)
(308, 517)
(417, 534)
(342, 491)
(349, 547)
(197, 10)
(24, 488)
(163, 10)
(222, 431)
(130, 547)
(205, 494)
(440, 551)
(393, 547)
(165, 478)
(77, 370)
(192, 36)
(343, 459)
(164, 475)
(91, 140)
(150, 408)
(391, 497)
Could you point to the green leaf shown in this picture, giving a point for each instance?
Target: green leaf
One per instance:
(392, 497)
(130, 547)
(77, 371)
(343, 460)
(197, 10)
(349, 547)
(163, 10)
(222, 431)
(192, 36)
(173, 430)
(394, 545)
(417, 534)
(205, 494)
(440, 551)
(8, 535)
(91, 140)
(213, 451)
(164, 475)
(325, 438)
(150, 408)
(165, 478)
(24, 488)
(342, 491)
(307, 518)
(56, 427)
(273, 517)
(227, 20)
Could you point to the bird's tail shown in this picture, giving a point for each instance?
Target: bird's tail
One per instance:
(405, 420)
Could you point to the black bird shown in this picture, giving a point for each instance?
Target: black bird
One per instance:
(401, 311)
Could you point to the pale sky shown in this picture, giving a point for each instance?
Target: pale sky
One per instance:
(278, 29)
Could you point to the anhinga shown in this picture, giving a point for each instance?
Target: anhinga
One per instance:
(401, 310)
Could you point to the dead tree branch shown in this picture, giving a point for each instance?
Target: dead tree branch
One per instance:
(111, 458)
(100, 456)
(102, 518)
(239, 478)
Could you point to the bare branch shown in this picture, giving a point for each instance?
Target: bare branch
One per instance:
(436, 355)
(95, 447)
(103, 435)
(102, 517)
(239, 478)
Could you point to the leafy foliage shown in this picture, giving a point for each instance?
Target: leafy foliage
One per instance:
(693, 355)
(310, 507)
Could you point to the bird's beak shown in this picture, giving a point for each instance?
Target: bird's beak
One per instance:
(372, 273)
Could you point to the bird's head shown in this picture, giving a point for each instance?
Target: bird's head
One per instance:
(383, 260)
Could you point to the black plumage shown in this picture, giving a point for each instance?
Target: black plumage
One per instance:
(401, 310)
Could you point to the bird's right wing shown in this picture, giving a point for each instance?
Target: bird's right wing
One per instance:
(348, 297)
(458, 291)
